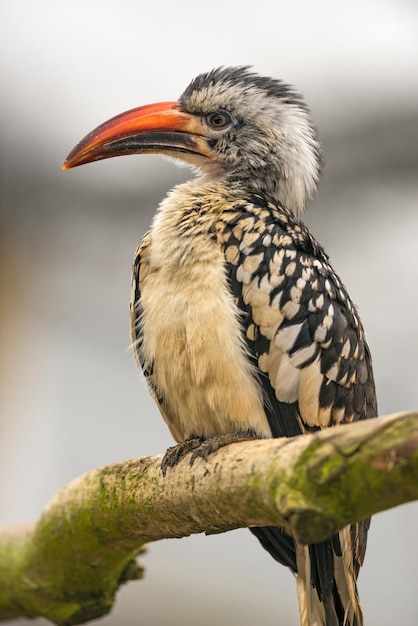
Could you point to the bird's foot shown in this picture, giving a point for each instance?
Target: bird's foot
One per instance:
(202, 448)
(175, 453)
(211, 444)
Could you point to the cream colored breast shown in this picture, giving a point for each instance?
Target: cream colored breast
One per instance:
(193, 338)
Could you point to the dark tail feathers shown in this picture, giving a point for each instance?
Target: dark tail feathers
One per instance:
(326, 575)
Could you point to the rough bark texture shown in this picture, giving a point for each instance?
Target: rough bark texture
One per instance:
(68, 565)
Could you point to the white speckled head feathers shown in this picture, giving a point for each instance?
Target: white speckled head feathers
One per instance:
(273, 144)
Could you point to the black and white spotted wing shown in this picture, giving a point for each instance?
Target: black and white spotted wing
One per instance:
(301, 328)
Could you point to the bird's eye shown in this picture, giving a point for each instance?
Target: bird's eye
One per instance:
(218, 120)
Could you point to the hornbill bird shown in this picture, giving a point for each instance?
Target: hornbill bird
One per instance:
(239, 322)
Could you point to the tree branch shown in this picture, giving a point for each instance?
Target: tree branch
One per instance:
(68, 565)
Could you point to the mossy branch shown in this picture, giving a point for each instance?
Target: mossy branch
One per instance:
(68, 565)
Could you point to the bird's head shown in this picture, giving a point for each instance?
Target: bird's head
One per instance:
(230, 123)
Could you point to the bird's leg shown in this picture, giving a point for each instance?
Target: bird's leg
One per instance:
(201, 447)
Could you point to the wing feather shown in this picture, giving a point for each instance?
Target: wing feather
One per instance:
(140, 271)
(315, 353)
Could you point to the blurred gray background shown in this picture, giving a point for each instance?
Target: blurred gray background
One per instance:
(71, 398)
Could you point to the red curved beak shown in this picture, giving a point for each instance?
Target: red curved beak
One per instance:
(163, 127)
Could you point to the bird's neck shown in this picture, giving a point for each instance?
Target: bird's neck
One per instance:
(183, 229)
(291, 188)
(262, 182)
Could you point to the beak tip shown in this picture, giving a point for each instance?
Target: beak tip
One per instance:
(69, 163)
